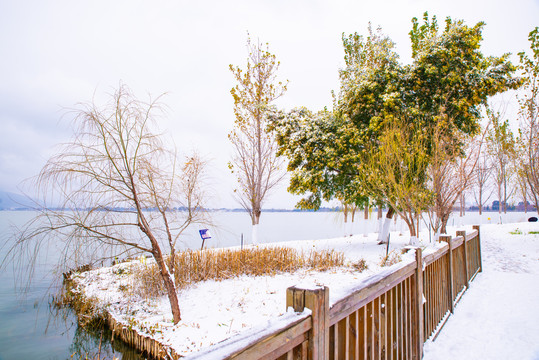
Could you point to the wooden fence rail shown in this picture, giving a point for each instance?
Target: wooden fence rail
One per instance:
(387, 316)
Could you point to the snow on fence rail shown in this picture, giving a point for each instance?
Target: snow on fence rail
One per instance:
(388, 316)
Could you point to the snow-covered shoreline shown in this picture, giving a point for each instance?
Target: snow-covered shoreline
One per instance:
(213, 311)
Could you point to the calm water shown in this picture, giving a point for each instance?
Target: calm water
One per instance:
(32, 329)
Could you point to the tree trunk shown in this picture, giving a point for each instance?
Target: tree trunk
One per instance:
(365, 226)
(254, 234)
(418, 227)
(169, 285)
(383, 235)
(161, 263)
(411, 228)
(254, 230)
(445, 219)
(504, 192)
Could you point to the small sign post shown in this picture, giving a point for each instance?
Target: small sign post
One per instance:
(204, 234)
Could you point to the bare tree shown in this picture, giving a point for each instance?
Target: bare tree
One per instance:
(451, 172)
(522, 183)
(483, 172)
(255, 163)
(501, 149)
(118, 187)
(529, 117)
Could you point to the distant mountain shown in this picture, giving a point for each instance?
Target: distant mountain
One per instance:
(10, 201)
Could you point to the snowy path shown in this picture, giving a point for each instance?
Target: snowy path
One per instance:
(498, 317)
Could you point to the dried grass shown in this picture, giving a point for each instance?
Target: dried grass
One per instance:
(195, 266)
(390, 259)
(360, 265)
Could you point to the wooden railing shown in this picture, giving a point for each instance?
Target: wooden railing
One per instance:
(387, 316)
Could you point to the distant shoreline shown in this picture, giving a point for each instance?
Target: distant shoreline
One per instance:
(238, 210)
(181, 209)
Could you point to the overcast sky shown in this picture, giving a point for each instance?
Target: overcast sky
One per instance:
(57, 53)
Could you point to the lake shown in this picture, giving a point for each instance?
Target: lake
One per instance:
(33, 329)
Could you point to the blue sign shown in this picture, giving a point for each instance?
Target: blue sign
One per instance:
(204, 234)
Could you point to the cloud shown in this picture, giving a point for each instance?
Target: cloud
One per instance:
(58, 53)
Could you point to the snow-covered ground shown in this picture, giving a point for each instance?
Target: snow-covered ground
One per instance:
(213, 311)
(496, 315)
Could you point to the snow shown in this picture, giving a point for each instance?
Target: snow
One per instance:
(265, 330)
(496, 316)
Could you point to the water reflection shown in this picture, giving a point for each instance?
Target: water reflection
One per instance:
(96, 343)
(31, 326)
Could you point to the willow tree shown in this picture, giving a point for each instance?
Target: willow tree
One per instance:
(118, 189)
(395, 169)
(255, 162)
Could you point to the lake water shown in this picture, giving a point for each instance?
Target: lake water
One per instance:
(32, 329)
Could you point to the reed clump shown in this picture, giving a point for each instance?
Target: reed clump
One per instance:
(195, 266)
(89, 313)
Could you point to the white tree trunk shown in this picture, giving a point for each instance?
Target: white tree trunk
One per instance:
(346, 228)
(254, 234)
(384, 234)
(366, 228)
(380, 227)
(413, 240)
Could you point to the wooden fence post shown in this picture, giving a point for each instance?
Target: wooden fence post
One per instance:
(463, 234)
(476, 227)
(451, 294)
(418, 331)
(295, 298)
(317, 300)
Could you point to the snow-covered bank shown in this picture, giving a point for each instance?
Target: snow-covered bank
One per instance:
(498, 317)
(215, 310)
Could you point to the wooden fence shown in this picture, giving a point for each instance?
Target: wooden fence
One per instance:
(388, 316)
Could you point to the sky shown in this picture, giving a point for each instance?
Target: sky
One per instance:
(55, 54)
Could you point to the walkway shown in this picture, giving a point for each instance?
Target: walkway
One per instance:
(498, 317)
